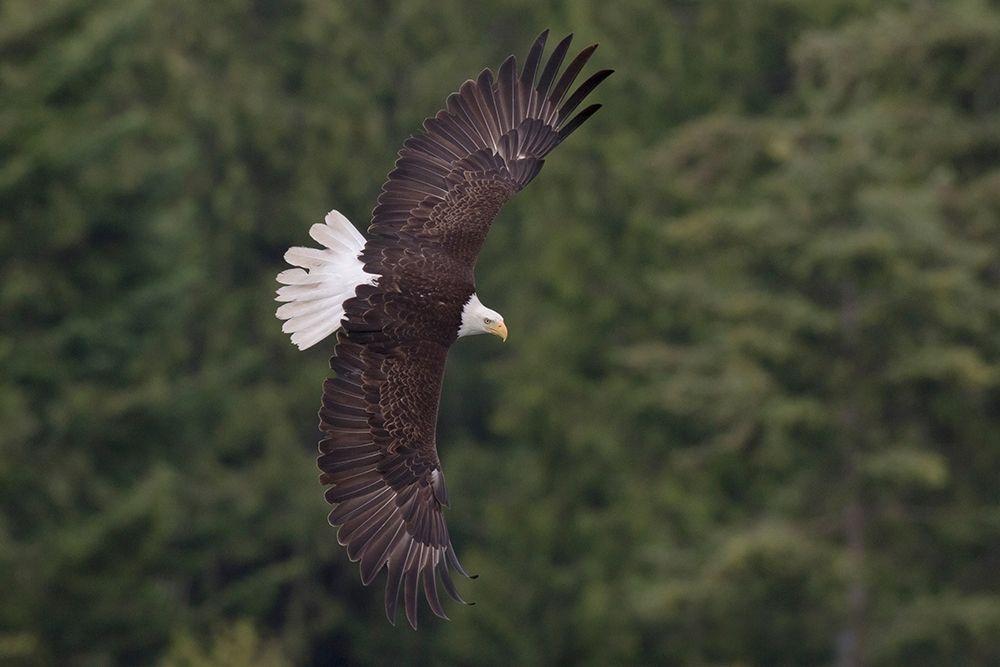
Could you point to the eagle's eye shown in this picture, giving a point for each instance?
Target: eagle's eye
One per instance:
(487, 320)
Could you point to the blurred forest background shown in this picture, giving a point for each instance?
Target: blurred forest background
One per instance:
(750, 407)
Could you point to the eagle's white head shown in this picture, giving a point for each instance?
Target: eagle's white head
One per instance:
(478, 319)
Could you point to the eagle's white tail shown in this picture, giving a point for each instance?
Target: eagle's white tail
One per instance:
(315, 293)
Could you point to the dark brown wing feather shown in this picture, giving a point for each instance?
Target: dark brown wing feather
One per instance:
(489, 141)
(378, 416)
(379, 413)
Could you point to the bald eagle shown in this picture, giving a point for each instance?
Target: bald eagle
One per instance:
(399, 299)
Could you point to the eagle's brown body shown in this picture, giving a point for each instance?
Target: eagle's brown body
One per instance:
(379, 412)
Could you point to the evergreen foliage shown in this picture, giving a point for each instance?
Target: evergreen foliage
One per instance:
(748, 413)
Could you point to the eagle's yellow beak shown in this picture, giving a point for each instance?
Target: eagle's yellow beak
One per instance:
(499, 329)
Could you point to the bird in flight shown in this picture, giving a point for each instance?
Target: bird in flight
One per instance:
(399, 299)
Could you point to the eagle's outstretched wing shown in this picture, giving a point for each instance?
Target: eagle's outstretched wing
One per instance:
(378, 416)
(490, 140)
(379, 413)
